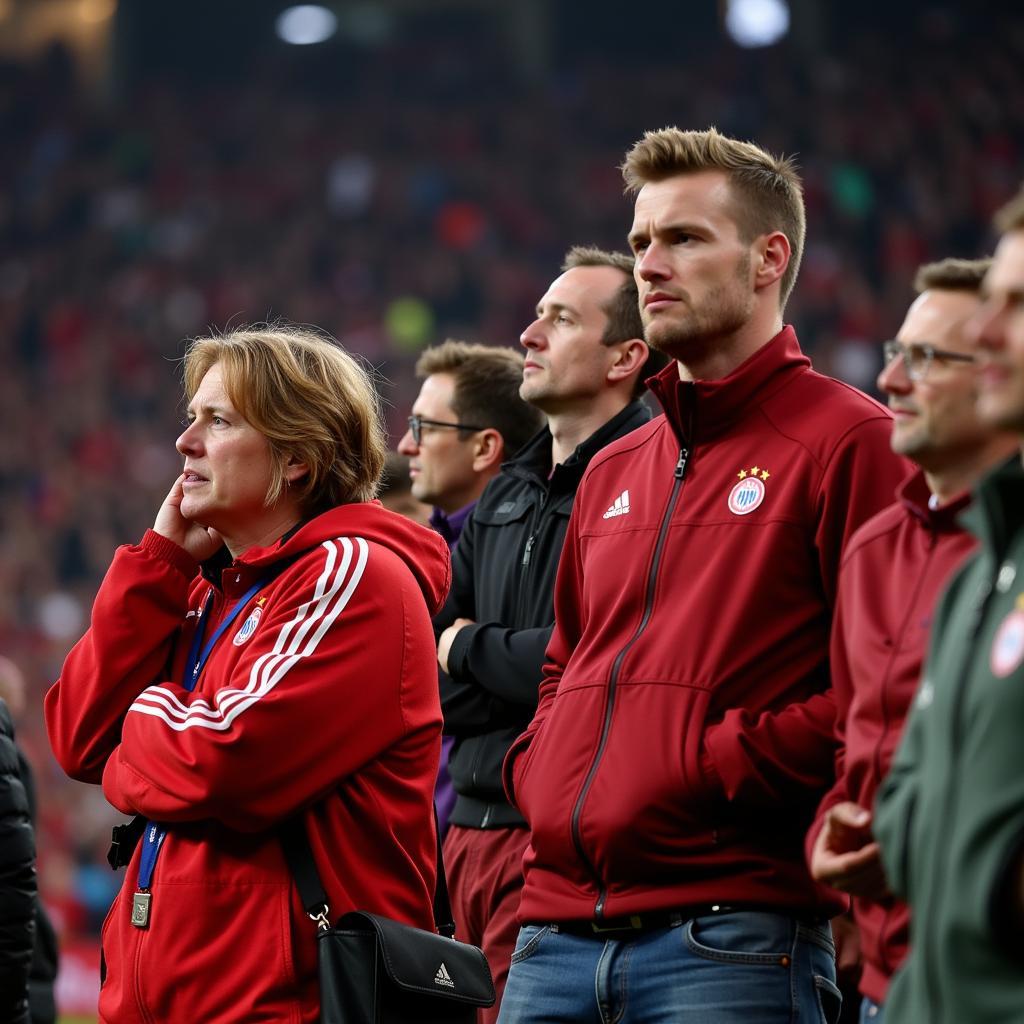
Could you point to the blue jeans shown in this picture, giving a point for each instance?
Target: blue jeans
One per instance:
(871, 1012)
(731, 967)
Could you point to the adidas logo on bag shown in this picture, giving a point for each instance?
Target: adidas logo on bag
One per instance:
(620, 507)
(443, 977)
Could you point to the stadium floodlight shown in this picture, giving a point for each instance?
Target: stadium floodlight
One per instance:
(754, 23)
(306, 24)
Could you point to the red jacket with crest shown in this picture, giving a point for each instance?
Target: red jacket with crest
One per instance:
(320, 700)
(684, 733)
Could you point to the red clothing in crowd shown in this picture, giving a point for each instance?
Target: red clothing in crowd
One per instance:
(685, 733)
(895, 567)
(320, 699)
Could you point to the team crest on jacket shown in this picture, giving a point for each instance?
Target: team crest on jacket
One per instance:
(246, 630)
(749, 492)
(1008, 647)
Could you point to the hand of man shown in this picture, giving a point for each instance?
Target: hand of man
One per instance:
(845, 855)
(197, 540)
(444, 644)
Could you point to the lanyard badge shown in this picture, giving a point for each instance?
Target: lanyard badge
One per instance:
(155, 833)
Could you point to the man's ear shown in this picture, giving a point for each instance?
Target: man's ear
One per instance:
(771, 257)
(488, 450)
(629, 360)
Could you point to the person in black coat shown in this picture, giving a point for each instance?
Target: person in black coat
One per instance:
(17, 881)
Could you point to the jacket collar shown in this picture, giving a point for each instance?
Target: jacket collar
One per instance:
(916, 498)
(699, 410)
(994, 516)
(534, 459)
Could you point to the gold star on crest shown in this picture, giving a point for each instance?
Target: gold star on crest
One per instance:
(765, 474)
(262, 601)
(755, 471)
(742, 474)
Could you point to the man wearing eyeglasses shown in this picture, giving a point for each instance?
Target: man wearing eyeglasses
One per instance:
(950, 816)
(467, 419)
(584, 368)
(894, 568)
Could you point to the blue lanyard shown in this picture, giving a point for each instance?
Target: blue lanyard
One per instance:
(155, 833)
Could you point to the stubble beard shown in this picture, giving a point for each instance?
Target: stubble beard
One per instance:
(694, 338)
(700, 333)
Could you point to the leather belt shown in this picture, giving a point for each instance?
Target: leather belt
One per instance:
(633, 925)
(624, 927)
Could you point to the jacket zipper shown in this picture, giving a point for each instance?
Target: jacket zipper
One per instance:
(985, 593)
(143, 1009)
(536, 518)
(613, 678)
(531, 539)
(876, 760)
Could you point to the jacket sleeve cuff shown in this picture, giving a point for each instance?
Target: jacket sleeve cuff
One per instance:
(458, 653)
(167, 551)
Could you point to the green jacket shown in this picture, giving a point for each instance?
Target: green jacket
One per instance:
(950, 816)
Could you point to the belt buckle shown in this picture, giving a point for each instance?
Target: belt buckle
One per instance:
(636, 923)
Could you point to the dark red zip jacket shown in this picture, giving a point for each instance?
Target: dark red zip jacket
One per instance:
(894, 569)
(684, 733)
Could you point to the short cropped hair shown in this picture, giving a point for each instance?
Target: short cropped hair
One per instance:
(952, 275)
(486, 389)
(1011, 216)
(310, 399)
(623, 310)
(767, 191)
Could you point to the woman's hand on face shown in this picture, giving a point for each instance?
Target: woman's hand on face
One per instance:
(199, 541)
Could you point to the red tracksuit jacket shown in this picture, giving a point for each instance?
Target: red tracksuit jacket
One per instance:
(684, 733)
(320, 698)
(894, 570)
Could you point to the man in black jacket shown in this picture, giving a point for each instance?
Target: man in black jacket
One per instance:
(584, 369)
(43, 972)
(17, 881)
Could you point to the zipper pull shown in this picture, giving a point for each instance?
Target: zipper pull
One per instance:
(528, 549)
(684, 455)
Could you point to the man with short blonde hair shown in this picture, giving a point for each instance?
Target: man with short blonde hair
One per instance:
(684, 733)
(766, 193)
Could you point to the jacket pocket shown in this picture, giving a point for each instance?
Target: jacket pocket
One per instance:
(628, 780)
(505, 512)
(241, 948)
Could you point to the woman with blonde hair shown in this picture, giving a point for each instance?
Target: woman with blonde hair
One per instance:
(264, 655)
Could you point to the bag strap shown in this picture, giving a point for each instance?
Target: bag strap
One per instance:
(299, 857)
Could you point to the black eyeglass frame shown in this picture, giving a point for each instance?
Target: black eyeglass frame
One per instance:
(417, 423)
(918, 357)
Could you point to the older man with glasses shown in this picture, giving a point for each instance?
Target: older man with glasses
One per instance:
(467, 419)
(950, 815)
(895, 566)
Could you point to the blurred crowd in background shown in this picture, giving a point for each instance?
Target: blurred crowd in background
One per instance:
(434, 201)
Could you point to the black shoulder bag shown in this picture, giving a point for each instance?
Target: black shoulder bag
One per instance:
(377, 971)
